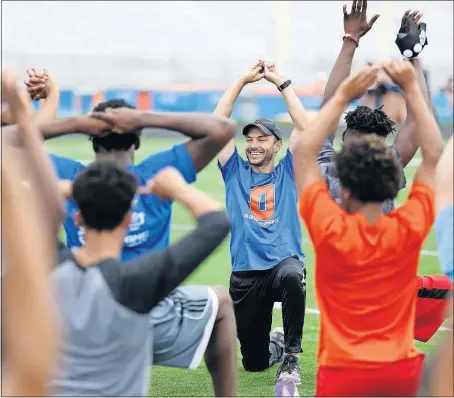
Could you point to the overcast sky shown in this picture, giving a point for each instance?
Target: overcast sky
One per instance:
(209, 41)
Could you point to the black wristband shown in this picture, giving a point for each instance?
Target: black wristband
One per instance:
(284, 85)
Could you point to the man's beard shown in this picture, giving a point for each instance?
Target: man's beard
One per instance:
(268, 158)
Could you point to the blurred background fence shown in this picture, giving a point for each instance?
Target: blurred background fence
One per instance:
(179, 56)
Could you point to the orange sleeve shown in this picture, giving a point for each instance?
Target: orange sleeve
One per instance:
(319, 211)
(417, 214)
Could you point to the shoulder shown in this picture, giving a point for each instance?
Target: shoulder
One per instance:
(66, 168)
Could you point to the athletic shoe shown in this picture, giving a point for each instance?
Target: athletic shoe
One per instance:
(277, 345)
(286, 388)
(289, 369)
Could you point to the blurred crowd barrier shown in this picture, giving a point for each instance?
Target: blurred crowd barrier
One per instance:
(254, 103)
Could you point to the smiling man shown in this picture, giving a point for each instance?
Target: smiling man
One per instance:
(267, 260)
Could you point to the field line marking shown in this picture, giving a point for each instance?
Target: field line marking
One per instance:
(278, 306)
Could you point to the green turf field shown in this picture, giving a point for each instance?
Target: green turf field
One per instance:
(216, 270)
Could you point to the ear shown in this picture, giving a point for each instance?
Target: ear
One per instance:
(277, 146)
(346, 195)
(78, 219)
(343, 135)
(126, 220)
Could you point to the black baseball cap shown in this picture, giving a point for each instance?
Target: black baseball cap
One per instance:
(267, 127)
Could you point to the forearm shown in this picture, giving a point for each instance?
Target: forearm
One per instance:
(43, 176)
(30, 356)
(49, 107)
(341, 69)
(193, 125)
(227, 102)
(319, 129)
(427, 131)
(295, 108)
(197, 202)
(7, 116)
(444, 184)
(48, 130)
(406, 141)
(191, 251)
(155, 276)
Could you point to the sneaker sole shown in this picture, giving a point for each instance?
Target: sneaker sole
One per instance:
(288, 377)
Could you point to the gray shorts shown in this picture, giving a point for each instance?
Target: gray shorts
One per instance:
(181, 326)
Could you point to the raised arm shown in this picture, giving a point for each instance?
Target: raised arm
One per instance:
(405, 141)
(42, 87)
(48, 92)
(444, 181)
(43, 178)
(310, 141)
(294, 106)
(152, 277)
(72, 125)
(30, 330)
(226, 103)
(427, 132)
(355, 27)
(208, 133)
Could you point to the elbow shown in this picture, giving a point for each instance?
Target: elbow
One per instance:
(226, 129)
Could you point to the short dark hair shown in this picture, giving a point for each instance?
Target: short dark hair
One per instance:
(365, 120)
(104, 192)
(114, 141)
(369, 169)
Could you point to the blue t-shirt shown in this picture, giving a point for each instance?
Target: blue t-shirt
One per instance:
(150, 226)
(263, 207)
(444, 231)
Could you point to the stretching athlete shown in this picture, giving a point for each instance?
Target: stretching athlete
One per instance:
(433, 290)
(115, 129)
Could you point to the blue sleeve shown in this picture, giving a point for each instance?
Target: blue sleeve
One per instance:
(67, 169)
(444, 232)
(177, 156)
(287, 163)
(231, 167)
(326, 153)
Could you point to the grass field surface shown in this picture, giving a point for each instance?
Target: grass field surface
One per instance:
(216, 271)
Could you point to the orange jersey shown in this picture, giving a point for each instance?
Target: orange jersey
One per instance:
(365, 277)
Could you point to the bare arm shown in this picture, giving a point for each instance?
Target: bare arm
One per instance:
(427, 132)
(294, 106)
(209, 134)
(43, 178)
(55, 128)
(405, 141)
(355, 25)
(341, 70)
(444, 184)
(310, 141)
(40, 86)
(28, 304)
(227, 102)
(49, 95)
(225, 108)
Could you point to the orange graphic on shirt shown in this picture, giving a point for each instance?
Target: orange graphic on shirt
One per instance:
(262, 201)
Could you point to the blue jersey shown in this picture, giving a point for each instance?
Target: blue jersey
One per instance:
(263, 208)
(150, 225)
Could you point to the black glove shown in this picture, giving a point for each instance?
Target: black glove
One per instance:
(411, 39)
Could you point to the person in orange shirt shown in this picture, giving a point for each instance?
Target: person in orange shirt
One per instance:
(367, 261)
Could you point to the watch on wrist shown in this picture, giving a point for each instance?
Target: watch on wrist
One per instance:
(284, 85)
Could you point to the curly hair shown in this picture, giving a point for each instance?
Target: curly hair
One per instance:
(369, 121)
(369, 169)
(114, 141)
